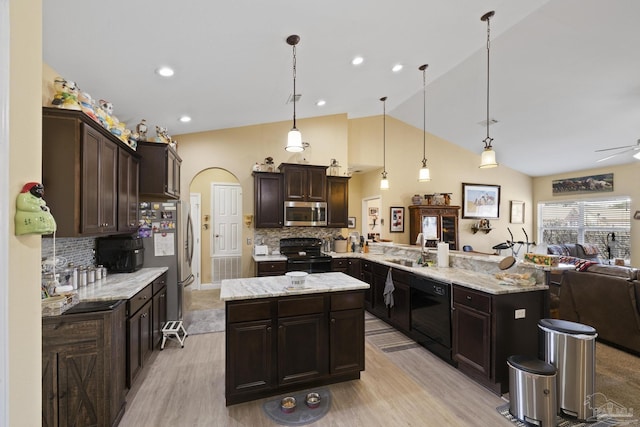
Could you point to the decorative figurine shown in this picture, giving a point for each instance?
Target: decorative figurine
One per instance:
(107, 107)
(32, 213)
(162, 135)
(66, 94)
(141, 130)
(86, 105)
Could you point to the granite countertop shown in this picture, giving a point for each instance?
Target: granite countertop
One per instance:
(269, 258)
(118, 286)
(275, 286)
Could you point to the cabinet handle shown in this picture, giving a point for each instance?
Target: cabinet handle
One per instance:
(268, 328)
(468, 297)
(333, 320)
(143, 297)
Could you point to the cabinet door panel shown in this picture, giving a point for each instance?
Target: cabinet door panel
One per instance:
(79, 370)
(316, 184)
(268, 200)
(346, 341)
(251, 367)
(302, 350)
(90, 218)
(108, 199)
(127, 191)
(471, 340)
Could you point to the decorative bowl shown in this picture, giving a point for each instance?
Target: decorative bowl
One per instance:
(288, 404)
(313, 400)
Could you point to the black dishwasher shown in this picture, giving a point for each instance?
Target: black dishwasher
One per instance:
(431, 315)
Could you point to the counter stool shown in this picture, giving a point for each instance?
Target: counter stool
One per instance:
(173, 330)
(532, 391)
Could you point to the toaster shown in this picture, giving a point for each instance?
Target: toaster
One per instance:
(261, 250)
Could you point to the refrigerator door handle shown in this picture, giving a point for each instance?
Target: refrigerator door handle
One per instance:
(189, 280)
(189, 240)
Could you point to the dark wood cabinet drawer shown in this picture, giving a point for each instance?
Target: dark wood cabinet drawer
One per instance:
(472, 299)
(366, 266)
(140, 299)
(159, 283)
(347, 301)
(271, 268)
(248, 311)
(298, 306)
(339, 264)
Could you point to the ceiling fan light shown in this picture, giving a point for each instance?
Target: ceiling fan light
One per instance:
(294, 141)
(488, 159)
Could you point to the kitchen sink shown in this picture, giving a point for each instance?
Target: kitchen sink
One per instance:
(402, 261)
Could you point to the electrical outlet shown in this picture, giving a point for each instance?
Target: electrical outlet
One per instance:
(248, 241)
(521, 313)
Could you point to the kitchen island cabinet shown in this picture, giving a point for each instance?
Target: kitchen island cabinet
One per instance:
(280, 339)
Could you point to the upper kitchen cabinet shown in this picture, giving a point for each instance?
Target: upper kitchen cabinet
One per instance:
(81, 173)
(304, 183)
(337, 201)
(128, 171)
(159, 170)
(268, 202)
(436, 222)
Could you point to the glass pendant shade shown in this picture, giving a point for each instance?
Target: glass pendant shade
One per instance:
(488, 159)
(424, 175)
(294, 141)
(384, 183)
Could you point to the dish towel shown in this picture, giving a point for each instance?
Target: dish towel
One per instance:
(388, 290)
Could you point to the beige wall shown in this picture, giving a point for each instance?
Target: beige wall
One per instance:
(201, 184)
(625, 183)
(25, 135)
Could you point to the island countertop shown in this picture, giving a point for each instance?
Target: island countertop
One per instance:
(276, 286)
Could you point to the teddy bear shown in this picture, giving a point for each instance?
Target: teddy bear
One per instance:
(66, 95)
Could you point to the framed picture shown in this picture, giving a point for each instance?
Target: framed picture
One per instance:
(480, 201)
(373, 211)
(397, 220)
(583, 184)
(517, 212)
(351, 222)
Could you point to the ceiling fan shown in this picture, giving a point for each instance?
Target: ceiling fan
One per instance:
(625, 149)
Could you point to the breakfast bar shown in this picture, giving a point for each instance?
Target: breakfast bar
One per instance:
(319, 339)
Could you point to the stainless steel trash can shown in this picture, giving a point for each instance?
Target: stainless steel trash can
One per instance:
(532, 391)
(571, 348)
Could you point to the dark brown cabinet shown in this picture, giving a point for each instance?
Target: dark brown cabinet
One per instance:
(159, 170)
(306, 183)
(139, 332)
(399, 314)
(436, 223)
(128, 174)
(83, 368)
(271, 268)
(319, 340)
(81, 174)
(159, 313)
(488, 328)
(337, 201)
(268, 199)
(378, 281)
(367, 277)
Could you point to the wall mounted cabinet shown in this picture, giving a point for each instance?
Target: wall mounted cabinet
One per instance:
(159, 170)
(89, 191)
(268, 200)
(435, 222)
(304, 183)
(337, 201)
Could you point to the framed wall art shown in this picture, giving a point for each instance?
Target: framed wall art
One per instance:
(583, 184)
(397, 220)
(351, 222)
(480, 201)
(517, 212)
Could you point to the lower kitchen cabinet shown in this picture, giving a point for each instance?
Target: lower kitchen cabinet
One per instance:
(83, 368)
(488, 328)
(378, 281)
(139, 332)
(307, 350)
(271, 268)
(367, 277)
(400, 313)
(159, 314)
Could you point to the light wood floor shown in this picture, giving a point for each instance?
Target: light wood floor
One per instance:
(185, 387)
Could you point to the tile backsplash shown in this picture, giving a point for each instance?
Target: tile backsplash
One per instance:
(80, 251)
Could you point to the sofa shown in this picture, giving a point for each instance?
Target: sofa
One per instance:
(584, 251)
(606, 297)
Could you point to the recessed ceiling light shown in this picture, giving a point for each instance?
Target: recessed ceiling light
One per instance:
(357, 60)
(185, 119)
(321, 102)
(396, 68)
(165, 71)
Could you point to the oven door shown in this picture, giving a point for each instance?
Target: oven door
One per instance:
(310, 265)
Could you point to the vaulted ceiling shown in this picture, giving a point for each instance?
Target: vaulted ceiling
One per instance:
(565, 77)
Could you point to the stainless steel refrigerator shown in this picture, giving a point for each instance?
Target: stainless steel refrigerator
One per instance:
(166, 230)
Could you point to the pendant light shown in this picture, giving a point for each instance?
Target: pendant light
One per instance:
(424, 174)
(384, 182)
(294, 138)
(488, 159)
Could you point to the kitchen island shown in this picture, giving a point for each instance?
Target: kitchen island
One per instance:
(319, 339)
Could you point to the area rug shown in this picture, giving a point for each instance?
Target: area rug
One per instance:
(386, 337)
(206, 321)
(564, 422)
(302, 415)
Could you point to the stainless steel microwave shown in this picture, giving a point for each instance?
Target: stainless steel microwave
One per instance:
(305, 214)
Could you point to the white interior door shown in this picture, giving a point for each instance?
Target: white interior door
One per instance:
(226, 200)
(196, 214)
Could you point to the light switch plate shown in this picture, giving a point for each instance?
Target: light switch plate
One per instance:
(521, 313)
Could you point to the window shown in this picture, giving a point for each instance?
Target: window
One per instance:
(594, 221)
